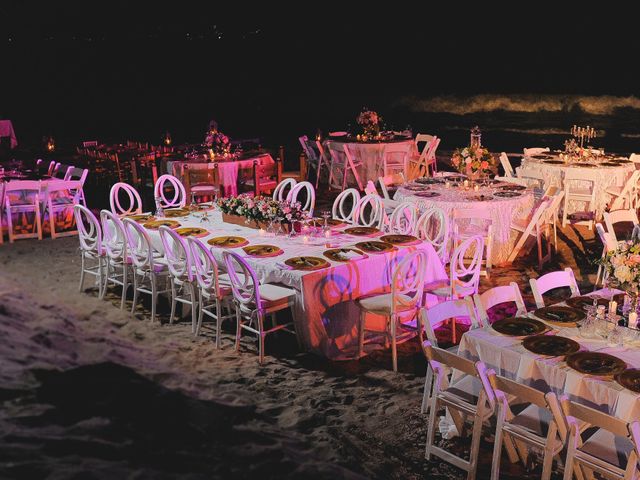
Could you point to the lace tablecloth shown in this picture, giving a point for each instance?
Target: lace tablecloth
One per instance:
(503, 211)
(604, 176)
(510, 359)
(325, 313)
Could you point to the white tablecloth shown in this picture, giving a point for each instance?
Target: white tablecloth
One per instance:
(371, 155)
(503, 211)
(6, 130)
(227, 171)
(604, 176)
(325, 313)
(510, 359)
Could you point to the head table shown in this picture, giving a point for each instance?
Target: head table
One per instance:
(606, 172)
(448, 198)
(325, 313)
(510, 359)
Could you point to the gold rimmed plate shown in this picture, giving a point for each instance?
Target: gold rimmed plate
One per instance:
(262, 250)
(610, 164)
(596, 363)
(550, 345)
(479, 198)
(192, 232)
(397, 239)
(176, 212)
(416, 187)
(518, 326)
(629, 379)
(332, 222)
(584, 301)
(306, 263)
(228, 242)
(140, 217)
(375, 247)
(513, 188)
(361, 231)
(553, 162)
(156, 224)
(507, 194)
(560, 315)
(344, 254)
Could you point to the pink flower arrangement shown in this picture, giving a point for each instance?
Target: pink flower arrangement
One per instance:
(622, 265)
(473, 160)
(369, 121)
(262, 209)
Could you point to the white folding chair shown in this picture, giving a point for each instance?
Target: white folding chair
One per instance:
(619, 216)
(534, 426)
(314, 159)
(370, 212)
(179, 198)
(552, 280)
(91, 249)
(395, 159)
(433, 227)
(387, 181)
(370, 188)
(114, 240)
(309, 195)
(534, 177)
(506, 165)
(419, 167)
(496, 295)
(576, 191)
(400, 307)
(214, 293)
(22, 197)
(534, 151)
(79, 174)
(533, 227)
(134, 202)
(468, 222)
(60, 197)
(340, 205)
(462, 398)
(612, 450)
(515, 180)
(149, 267)
(255, 301)
(179, 261)
(403, 219)
(342, 163)
(625, 196)
(550, 216)
(609, 244)
(283, 189)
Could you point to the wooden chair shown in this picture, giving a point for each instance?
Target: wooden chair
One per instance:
(433, 227)
(506, 165)
(609, 244)
(532, 227)
(201, 182)
(342, 164)
(575, 191)
(496, 295)
(619, 216)
(625, 196)
(266, 177)
(395, 159)
(427, 161)
(478, 221)
(314, 156)
(59, 197)
(552, 280)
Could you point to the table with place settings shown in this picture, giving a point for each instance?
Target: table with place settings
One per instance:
(505, 205)
(325, 313)
(509, 358)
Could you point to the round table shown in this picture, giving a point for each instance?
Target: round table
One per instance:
(370, 153)
(503, 210)
(607, 172)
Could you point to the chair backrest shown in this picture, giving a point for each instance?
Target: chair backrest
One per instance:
(27, 192)
(403, 219)
(114, 238)
(283, 189)
(90, 143)
(205, 266)
(580, 174)
(630, 186)
(375, 216)
(310, 194)
(89, 231)
(140, 246)
(618, 216)
(309, 149)
(179, 198)
(496, 295)
(339, 210)
(75, 173)
(433, 227)
(437, 315)
(370, 188)
(534, 151)
(244, 281)
(388, 180)
(396, 154)
(266, 176)
(608, 240)
(134, 200)
(438, 356)
(506, 165)
(534, 177)
(552, 280)
(407, 285)
(176, 253)
(62, 188)
(465, 274)
(474, 216)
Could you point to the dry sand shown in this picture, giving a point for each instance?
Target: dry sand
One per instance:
(90, 391)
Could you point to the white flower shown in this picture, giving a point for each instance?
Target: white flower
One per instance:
(623, 273)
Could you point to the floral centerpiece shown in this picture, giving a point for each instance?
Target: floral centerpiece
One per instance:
(370, 122)
(473, 161)
(622, 266)
(260, 210)
(218, 142)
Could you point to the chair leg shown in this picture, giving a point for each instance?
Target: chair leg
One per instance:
(260, 338)
(125, 286)
(200, 317)
(173, 301)
(218, 322)
(361, 333)
(497, 449)
(454, 335)
(135, 292)
(194, 308)
(394, 346)
(103, 292)
(426, 399)
(38, 223)
(238, 328)
(154, 297)
(82, 272)
(431, 428)
(52, 222)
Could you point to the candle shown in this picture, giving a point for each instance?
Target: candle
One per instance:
(466, 183)
(613, 306)
(447, 184)
(262, 232)
(476, 188)
(633, 320)
(327, 234)
(305, 239)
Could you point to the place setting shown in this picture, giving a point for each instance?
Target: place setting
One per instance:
(362, 231)
(560, 316)
(262, 251)
(375, 247)
(519, 327)
(507, 194)
(192, 232)
(156, 224)
(346, 254)
(401, 240)
(176, 212)
(304, 263)
(228, 241)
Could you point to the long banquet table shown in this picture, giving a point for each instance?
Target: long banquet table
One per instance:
(325, 314)
(510, 359)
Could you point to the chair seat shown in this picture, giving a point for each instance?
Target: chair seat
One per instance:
(381, 304)
(445, 290)
(225, 290)
(266, 185)
(203, 187)
(468, 388)
(578, 193)
(608, 447)
(534, 419)
(275, 296)
(615, 190)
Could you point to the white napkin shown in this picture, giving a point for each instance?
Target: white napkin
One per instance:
(350, 255)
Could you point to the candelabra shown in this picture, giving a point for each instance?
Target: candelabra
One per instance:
(583, 133)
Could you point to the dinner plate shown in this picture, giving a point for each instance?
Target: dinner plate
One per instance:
(507, 194)
(140, 217)
(426, 194)
(513, 188)
(479, 198)
(306, 263)
(176, 212)
(156, 224)
(262, 250)
(375, 247)
(337, 134)
(361, 231)
(584, 301)
(332, 222)
(228, 241)
(399, 239)
(416, 188)
(553, 162)
(596, 363)
(542, 156)
(629, 379)
(192, 232)
(518, 326)
(338, 254)
(587, 165)
(560, 314)
(610, 164)
(550, 345)
(429, 181)
(201, 207)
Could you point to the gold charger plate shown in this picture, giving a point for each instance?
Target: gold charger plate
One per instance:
(596, 363)
(140, 217)
(156, 224)
(228, 242)
(518, 326)
(306, 263)
(550, 345)
(375, 247)
(201, 207)
(192, 232)
(319, 222)
(553, 162)
(399, 239)
(262, 250)
(361, 231)
(176, 212)
(335, 254)
(629, 379)
(512, 188)
(584, 301)
(560, 315)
